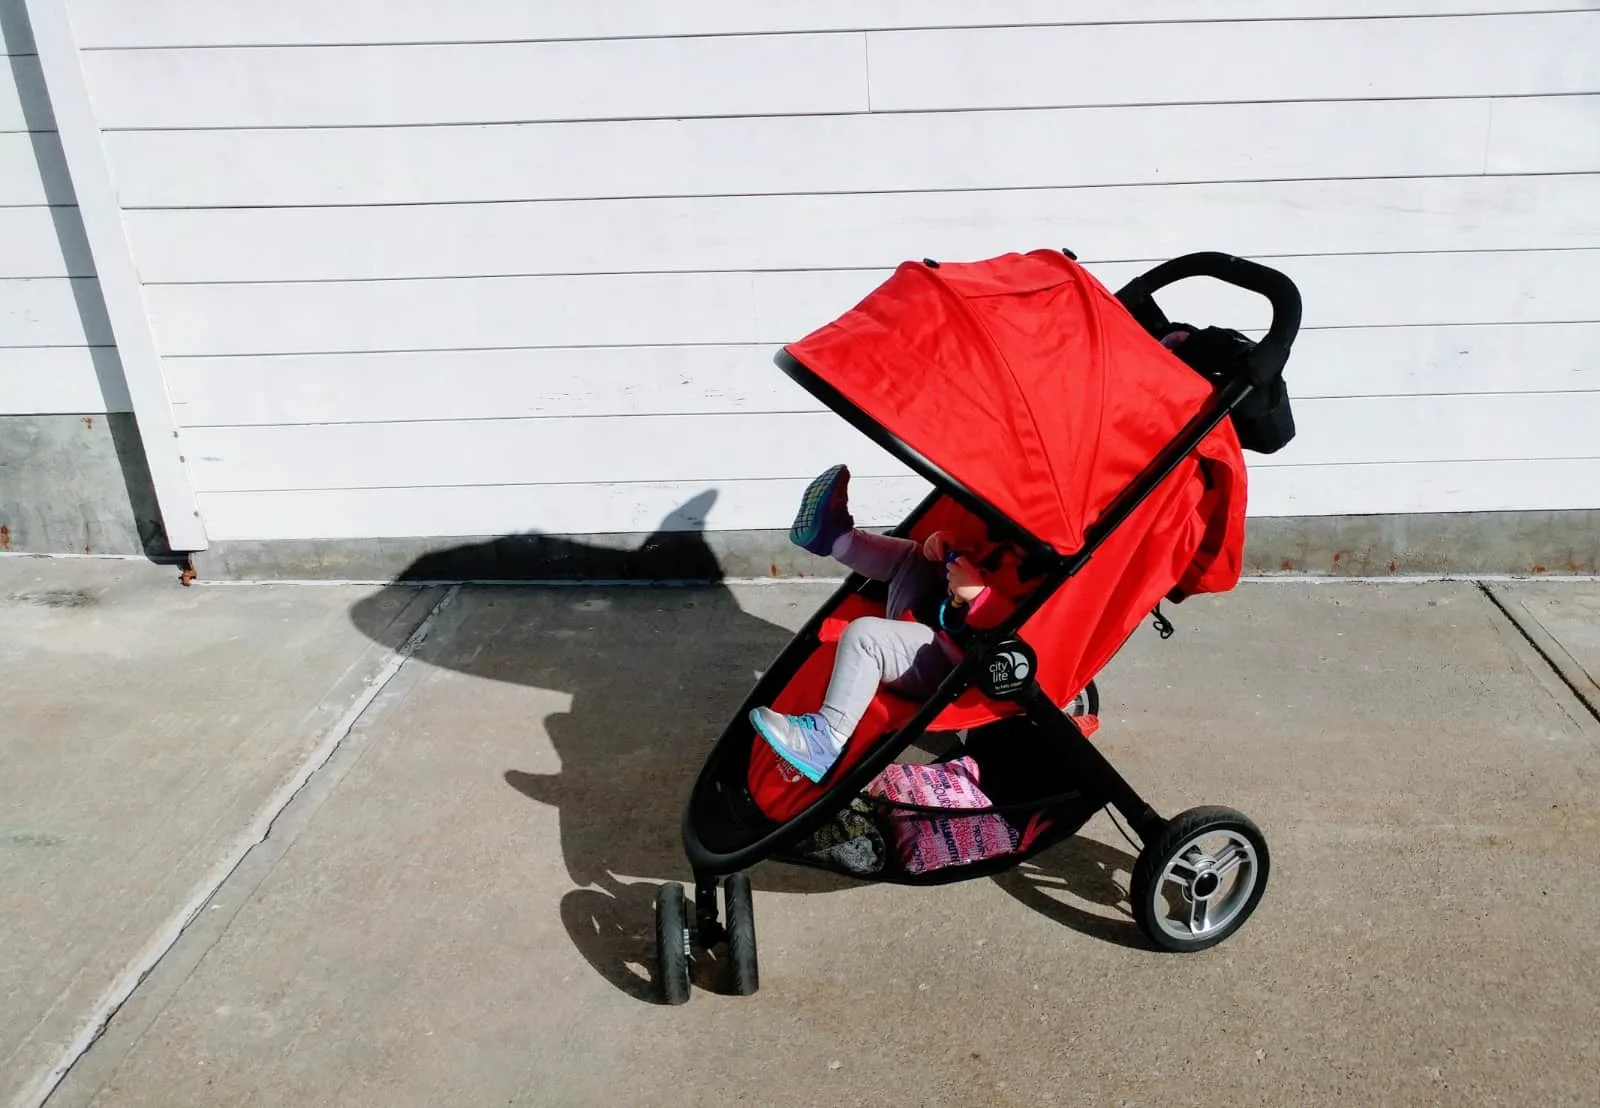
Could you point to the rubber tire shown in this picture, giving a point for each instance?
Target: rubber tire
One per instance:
(1157, 853)
(742, 964)
(672, 945)
(1091, 698)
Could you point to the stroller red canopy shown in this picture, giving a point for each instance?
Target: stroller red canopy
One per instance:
(1022, 377)
(1025, 380)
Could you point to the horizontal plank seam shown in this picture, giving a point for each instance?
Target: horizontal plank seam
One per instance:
(760, 412)
(802, 477)
(1459, 178)
(617, 198)
(770, 343)
(869, 29)
(724, 116)
(1088, 261)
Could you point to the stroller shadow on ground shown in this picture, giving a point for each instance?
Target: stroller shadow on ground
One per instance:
(654, 675)
(1087, 871)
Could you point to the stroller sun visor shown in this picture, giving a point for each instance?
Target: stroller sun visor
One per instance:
(1022, 378)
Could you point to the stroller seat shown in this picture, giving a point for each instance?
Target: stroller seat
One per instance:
(778, 790)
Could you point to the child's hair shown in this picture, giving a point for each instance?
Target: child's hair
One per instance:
(994, 533)
(999, 542)
(1031, 566)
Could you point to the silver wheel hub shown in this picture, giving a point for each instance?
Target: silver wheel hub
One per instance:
(1206, 884)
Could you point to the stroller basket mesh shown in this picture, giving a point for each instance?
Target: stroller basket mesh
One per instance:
(981, 808)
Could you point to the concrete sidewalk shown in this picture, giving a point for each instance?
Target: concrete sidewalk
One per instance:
(148, 733)
(455, 908)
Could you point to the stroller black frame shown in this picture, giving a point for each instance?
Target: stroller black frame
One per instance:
(723, 832)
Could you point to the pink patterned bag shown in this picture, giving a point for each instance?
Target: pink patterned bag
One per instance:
(927, 842)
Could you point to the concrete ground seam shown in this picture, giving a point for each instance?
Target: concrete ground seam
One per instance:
(1567, 668)
(167, 937)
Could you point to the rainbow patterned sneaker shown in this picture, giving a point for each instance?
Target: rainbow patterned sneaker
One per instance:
(824, 512)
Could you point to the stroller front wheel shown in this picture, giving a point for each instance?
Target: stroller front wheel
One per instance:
(741, 935)
(1199, 880)
(672, 945)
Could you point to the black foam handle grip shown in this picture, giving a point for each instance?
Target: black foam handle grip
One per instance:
(1267, 360)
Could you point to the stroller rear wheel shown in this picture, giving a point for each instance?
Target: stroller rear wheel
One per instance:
(1086, 703)
(1200, 879)
(741, 934)
(672, 945)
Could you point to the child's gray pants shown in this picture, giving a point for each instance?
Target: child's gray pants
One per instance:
(898, 652)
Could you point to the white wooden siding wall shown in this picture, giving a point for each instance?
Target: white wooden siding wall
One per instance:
(423, 269)
(56, 354)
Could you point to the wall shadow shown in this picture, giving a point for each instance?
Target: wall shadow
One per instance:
(654, 675)
(62, 206)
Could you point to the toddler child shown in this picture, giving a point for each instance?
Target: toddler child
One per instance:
(935, 594)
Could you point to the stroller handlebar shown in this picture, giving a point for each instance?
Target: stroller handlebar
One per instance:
(1267, 360)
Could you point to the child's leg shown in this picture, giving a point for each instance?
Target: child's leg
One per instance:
(880, 557)
(872, 652)
(875, 652)
(911, 577)
(824, 526)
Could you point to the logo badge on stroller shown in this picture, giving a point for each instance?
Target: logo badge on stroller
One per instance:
(1008, 670)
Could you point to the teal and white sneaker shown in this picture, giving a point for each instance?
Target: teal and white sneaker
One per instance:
(806, 742)
(824, 512)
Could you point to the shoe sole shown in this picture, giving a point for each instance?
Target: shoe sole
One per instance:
(806, 526)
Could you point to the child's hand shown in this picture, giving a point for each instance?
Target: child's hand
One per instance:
(936, 546)
(966, 585)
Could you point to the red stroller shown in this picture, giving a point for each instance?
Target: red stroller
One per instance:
(1106, 455)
